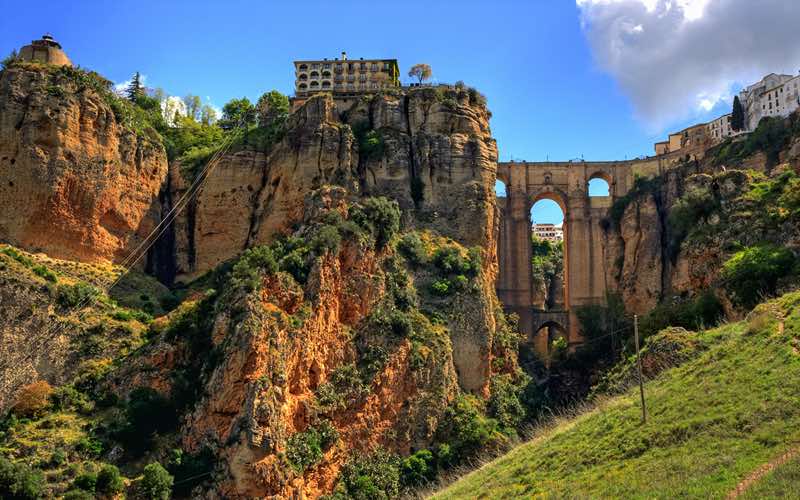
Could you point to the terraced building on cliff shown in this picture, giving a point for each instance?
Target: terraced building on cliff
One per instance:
(345, 79)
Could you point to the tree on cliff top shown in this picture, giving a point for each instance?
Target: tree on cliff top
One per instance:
(420, 71)
(737, 118)
(135, 88)
(272, 107)
(238, 112)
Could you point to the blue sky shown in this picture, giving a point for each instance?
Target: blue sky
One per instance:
(552, 91)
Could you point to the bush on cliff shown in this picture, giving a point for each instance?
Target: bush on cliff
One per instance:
(18, 481)
(157, 482)
(754, 272)
(304, 449)
(80, 293)
(380, 216)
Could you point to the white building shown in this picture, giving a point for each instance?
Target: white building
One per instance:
(720, 128)
(549, 232)
(773, 95)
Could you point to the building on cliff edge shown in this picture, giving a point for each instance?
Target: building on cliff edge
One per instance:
(343, 78)
(45, 50)
(773, 96)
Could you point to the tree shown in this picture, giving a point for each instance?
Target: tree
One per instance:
(32, 399)
(157, 482)
(208, 115)
(10, 59)
(271, 107)
(193, 106)
(238, 112)
(737, 120)
(135, 88)
(420, 71)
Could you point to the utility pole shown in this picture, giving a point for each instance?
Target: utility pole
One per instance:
(639, 366)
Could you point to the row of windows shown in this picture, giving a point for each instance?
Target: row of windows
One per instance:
(341, 66)
(327, 85)
(338, 78)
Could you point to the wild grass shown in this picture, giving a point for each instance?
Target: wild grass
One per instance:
(711, 421)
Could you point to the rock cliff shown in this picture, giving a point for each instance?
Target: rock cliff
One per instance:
(76, 183)
(675, 231)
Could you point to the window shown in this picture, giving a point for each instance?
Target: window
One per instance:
(374, 67)
(315, 66)
(303, 67)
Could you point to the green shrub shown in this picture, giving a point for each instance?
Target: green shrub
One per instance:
(441, 287)
(58, 458)
(327, 239)
(109, 481)
(248, 269)
(703, 311)
(79, 293)
(304, 449)
(18, 481)
(86, 482)
(374, 476)
(466, 430)
(45, 273)
(413, 249)
(14, 254)
(504, 404)
(90, 446)
(380, 216)
(418, 469)
(370, 142)
(157, 482)
(754, 272)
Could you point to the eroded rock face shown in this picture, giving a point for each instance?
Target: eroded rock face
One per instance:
(74, 183)
(438, 162)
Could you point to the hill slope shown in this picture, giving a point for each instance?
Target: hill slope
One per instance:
(732, 407)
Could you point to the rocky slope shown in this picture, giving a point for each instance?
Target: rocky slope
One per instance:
(77, 184)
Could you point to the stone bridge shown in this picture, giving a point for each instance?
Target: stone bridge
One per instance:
(585, 278)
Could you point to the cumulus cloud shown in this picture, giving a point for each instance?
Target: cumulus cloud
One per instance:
(676, 59)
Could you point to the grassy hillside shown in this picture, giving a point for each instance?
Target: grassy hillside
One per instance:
(732, 407)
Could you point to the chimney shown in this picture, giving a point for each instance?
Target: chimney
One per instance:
(344, 56)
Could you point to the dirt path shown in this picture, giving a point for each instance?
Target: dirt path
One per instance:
(763, 470)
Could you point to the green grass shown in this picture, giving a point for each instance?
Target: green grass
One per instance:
(712, 420)
(782, 482)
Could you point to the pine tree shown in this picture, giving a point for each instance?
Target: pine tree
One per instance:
(737, 118)
(135, 89)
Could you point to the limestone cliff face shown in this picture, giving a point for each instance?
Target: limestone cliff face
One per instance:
(75, 183)
(438, 162)
(650, 259)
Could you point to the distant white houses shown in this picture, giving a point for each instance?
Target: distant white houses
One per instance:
(549, 232)
(773, 95)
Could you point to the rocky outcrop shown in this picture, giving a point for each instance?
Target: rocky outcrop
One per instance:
(677, 229)
(76, 183)
(438, 160)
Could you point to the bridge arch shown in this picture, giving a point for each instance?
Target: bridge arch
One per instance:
(586, 276)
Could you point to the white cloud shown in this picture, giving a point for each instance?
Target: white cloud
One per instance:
(676, 59)
(170, 106)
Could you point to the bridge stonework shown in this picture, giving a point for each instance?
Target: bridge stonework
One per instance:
(566, 183)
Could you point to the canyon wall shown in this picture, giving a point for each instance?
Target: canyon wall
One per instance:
(76, 183)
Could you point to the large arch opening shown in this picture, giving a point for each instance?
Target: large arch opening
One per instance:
(548, 243)
(548, 344)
